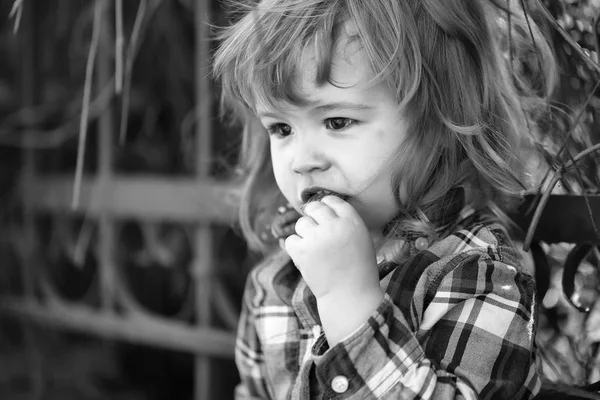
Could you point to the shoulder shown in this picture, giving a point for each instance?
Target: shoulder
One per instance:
(490, 241)
(475, 268)
(479, 260)
(476, 259)
(476, 242)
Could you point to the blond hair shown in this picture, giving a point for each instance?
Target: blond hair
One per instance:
(466, 106)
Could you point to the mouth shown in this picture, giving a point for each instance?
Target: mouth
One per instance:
(317, 193)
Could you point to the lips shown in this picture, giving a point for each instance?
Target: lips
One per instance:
(284, 223)
(317, 193)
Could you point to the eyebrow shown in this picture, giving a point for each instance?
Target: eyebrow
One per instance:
(323, 108)
(342, 105)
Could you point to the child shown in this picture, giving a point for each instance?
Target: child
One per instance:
(394, 130)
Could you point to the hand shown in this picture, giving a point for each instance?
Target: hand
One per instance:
(333, 250)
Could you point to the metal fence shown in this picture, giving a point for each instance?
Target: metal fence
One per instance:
(108, 304)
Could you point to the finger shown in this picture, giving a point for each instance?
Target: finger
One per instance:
(282, 243)
(319, 211)
(341, 207)
(283, 223)
(291, 243)
(280, 232)
(304, 225)
(290, 214)
(288, 230)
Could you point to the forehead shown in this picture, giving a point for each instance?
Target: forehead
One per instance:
(349, 67)
(349, 72)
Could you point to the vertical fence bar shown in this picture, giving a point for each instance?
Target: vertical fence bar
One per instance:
(203, 267)
(105, 156)
(29, 84)
(30, 97)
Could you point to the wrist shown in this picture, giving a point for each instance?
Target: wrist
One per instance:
(351, 295)
(345, 311)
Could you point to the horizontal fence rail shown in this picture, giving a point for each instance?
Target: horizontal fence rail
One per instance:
(145, 197)
(154, 331)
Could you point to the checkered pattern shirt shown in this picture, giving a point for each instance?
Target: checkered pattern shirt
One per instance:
(457, 322)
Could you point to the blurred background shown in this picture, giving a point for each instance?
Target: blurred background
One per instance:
(121, 268)
(121, 271)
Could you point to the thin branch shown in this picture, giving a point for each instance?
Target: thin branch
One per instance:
(119, 40)
(16, 12)
(131, 49)
(571, 130)
(87, 91)
(557, 176)
(581, 155)
(585, 58)
(550, 18)
(559, 173)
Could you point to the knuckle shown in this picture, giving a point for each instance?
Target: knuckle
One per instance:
(335, 199)
(310, 206)
(303, 221)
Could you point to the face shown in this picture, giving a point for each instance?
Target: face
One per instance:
(342, 140)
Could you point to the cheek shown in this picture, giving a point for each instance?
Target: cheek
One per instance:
(279, 174)
(280, 171)
(383, 197)
(276, 161)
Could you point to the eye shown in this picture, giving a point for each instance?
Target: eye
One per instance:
(338, 124)
(281, 130)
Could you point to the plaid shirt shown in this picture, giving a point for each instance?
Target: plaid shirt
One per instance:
(457, 321)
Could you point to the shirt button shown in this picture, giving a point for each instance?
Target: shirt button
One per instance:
(421, 243)
(339, 384)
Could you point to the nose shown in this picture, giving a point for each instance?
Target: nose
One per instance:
(309, 155)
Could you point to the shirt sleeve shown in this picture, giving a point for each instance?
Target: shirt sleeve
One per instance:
(249, 356)
(474, 339)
